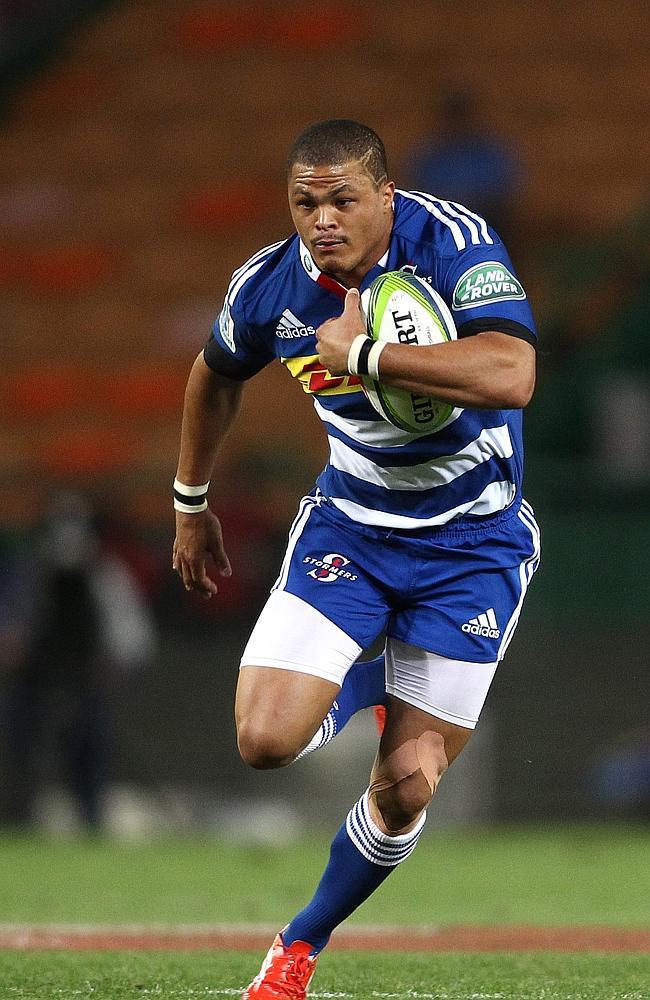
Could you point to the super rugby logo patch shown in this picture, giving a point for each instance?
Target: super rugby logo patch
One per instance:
(490, 282)
(329, 568)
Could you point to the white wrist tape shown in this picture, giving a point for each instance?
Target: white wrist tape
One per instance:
(190, 499)
(363, 356)
(373, 359)
(353, 354)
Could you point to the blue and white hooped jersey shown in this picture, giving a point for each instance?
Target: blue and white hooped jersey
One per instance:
(377, 474)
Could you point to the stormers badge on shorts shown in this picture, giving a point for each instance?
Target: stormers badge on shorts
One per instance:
(329, 568)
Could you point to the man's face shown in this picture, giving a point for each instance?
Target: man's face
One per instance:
(343, 218)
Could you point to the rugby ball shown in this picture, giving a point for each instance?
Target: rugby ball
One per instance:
(401, 308)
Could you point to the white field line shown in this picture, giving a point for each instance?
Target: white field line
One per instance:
(159, 991)
(322, 995)
(417, 995)
(408, 994)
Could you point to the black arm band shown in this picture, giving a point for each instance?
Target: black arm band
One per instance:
(225, 364)
(487, 324)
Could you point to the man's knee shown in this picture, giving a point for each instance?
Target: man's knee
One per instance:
(407, 780)
(402, 804)
(277, 713)
(263, 747)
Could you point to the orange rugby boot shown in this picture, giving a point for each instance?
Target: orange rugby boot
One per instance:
(285, 974)
(380, 717)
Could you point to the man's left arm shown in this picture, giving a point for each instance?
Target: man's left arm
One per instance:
(489, 370)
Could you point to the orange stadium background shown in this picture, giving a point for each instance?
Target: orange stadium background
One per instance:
(141, 160)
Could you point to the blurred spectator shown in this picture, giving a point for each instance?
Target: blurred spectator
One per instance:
(464, 161)
(622, 395)
(71, 616)
(620, 780)
(32, 32)
(593, 397)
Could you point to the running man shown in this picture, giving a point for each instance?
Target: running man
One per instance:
(424, 537)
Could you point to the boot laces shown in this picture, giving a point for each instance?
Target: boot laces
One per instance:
(295, 971)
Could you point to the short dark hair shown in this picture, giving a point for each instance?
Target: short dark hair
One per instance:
(340, 140)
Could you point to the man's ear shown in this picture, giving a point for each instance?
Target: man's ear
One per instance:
(388, 193)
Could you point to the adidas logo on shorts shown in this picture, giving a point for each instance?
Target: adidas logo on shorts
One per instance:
(484, 624)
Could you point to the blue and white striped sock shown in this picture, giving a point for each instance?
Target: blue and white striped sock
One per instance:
(324, 734)
(361, 857)
(364, 685)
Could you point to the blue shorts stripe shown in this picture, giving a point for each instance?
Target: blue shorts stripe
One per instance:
(307, 504)
(526, 571)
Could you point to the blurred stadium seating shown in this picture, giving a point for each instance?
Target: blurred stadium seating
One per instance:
(134, 167)
(145, 161)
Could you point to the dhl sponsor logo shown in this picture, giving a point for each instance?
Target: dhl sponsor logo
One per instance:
(315, 378)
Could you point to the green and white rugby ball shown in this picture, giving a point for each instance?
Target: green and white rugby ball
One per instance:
(401, 308)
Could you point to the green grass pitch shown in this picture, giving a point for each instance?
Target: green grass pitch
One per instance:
(554, 876)
(348, 976)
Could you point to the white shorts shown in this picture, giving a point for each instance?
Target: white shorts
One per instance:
(292, 635)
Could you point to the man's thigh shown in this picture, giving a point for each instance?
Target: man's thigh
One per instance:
(453, 691)
(323, 610)
(292, 668)
(405, 722)
(326, 605)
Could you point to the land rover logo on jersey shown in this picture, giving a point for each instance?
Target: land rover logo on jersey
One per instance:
(490, 282)
(307, 262)
(329, 568)
(227, 328)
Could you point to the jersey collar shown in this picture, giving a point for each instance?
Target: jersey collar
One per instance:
(324, 280)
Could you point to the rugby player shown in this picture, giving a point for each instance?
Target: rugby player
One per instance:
(425, 538)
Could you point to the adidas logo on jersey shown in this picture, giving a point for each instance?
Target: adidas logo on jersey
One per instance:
(290, 327)
(484, 624)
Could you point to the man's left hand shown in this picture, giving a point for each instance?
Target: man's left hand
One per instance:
(334, 337)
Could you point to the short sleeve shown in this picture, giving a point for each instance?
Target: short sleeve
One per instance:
(234, 349)
(484, 293)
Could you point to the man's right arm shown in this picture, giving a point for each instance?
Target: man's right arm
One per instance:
(211, 405)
